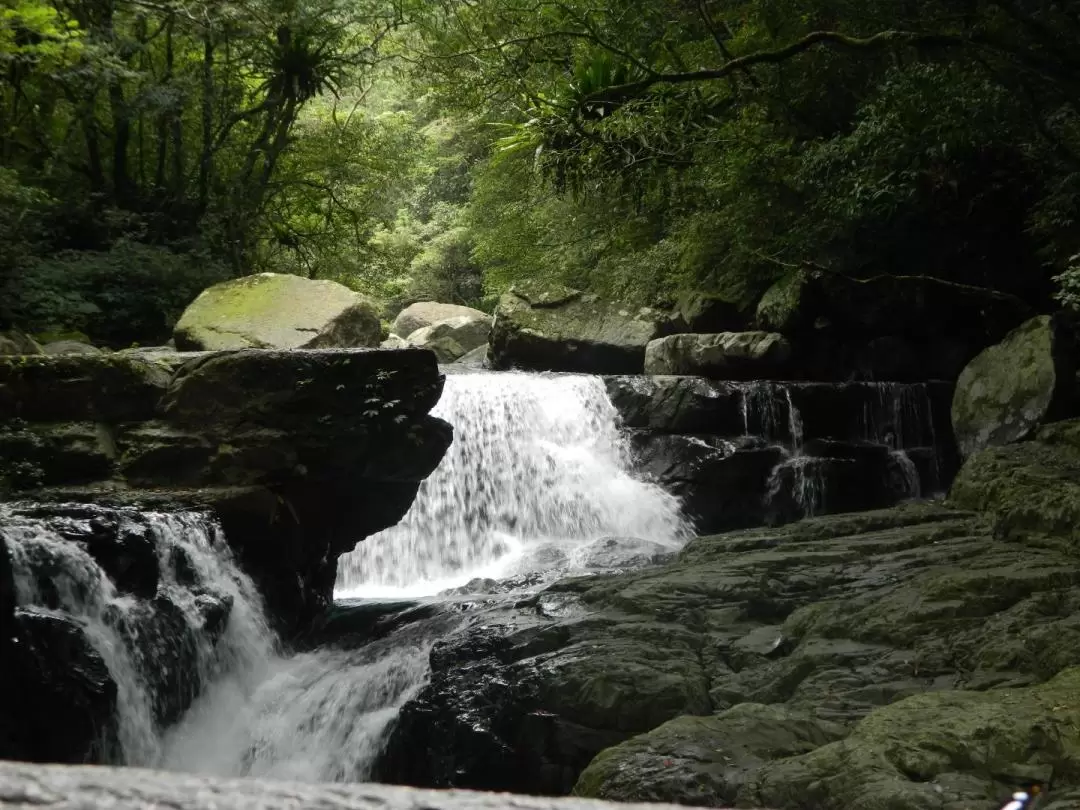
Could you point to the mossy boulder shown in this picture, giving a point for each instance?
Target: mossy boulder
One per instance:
(1010, 389)
(948, 749)
(703, 761)
(278, 311)
(555, 328)
(725, 355)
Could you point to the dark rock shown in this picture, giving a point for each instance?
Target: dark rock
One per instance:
(678, 404)
(49, 454)
(282, 390)
(722, 484)
(7, 596)
(1010, 389)
(120, 542)
(725, 355)
(58, 700)
(704, 761)
(705, 313)
(553, 328)
(81, 388)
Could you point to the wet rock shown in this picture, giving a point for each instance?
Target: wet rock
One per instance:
(1010, 389)
(59, 700)
(829, 619)
(277, 311)
(427, 313)
(722, 484)
(703, 761)
(726, 355)
(554, 328)
(623, 554)
(677, 404)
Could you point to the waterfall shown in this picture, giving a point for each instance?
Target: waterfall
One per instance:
(538, 469)
(148, 643)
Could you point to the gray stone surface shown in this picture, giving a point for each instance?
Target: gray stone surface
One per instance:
(426, 313)
(97, 788)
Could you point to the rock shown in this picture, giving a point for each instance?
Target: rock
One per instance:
(727, 355)
(704, 761)
(70, 347)
(949, 749)
(453, 338)
(705, 313)
(427, 313)
(61, 703)
(99, 788)
(623, 554)
(722, 484)
(904, 306)
(277, 311)
(480, 357)
(829, 619)
(148, 350)
(14, 342)
(394, 342)
(300, 454)
(82, 388)
(553, 328)
(1010, 389)
(677, 404)
(121, 542)
(48, 454)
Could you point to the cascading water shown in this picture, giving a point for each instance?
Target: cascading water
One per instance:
(538, 469)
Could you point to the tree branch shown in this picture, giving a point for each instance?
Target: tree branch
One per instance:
(833, 38)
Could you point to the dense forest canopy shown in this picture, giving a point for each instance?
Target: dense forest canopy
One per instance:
(445, 149)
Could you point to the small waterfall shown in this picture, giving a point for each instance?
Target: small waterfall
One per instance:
(904, 476)
(537, 469)
(148, 643)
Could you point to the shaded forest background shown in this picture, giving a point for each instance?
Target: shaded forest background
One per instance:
(638, 148)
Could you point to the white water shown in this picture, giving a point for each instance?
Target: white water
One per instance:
(537, 464)
(312, 717)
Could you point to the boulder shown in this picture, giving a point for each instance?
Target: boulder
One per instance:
(708, 313)
(277, 311)
(1010, 389)
(394, 342)
(14, 342)
(300, 453)
(70, 347)
(82, 388)
(704, 761)
(949, 749)
(677, 404)
(554, 328)
(726, 355)
(453, 338)
(477, 358)
(60, 701)
(427, 313)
